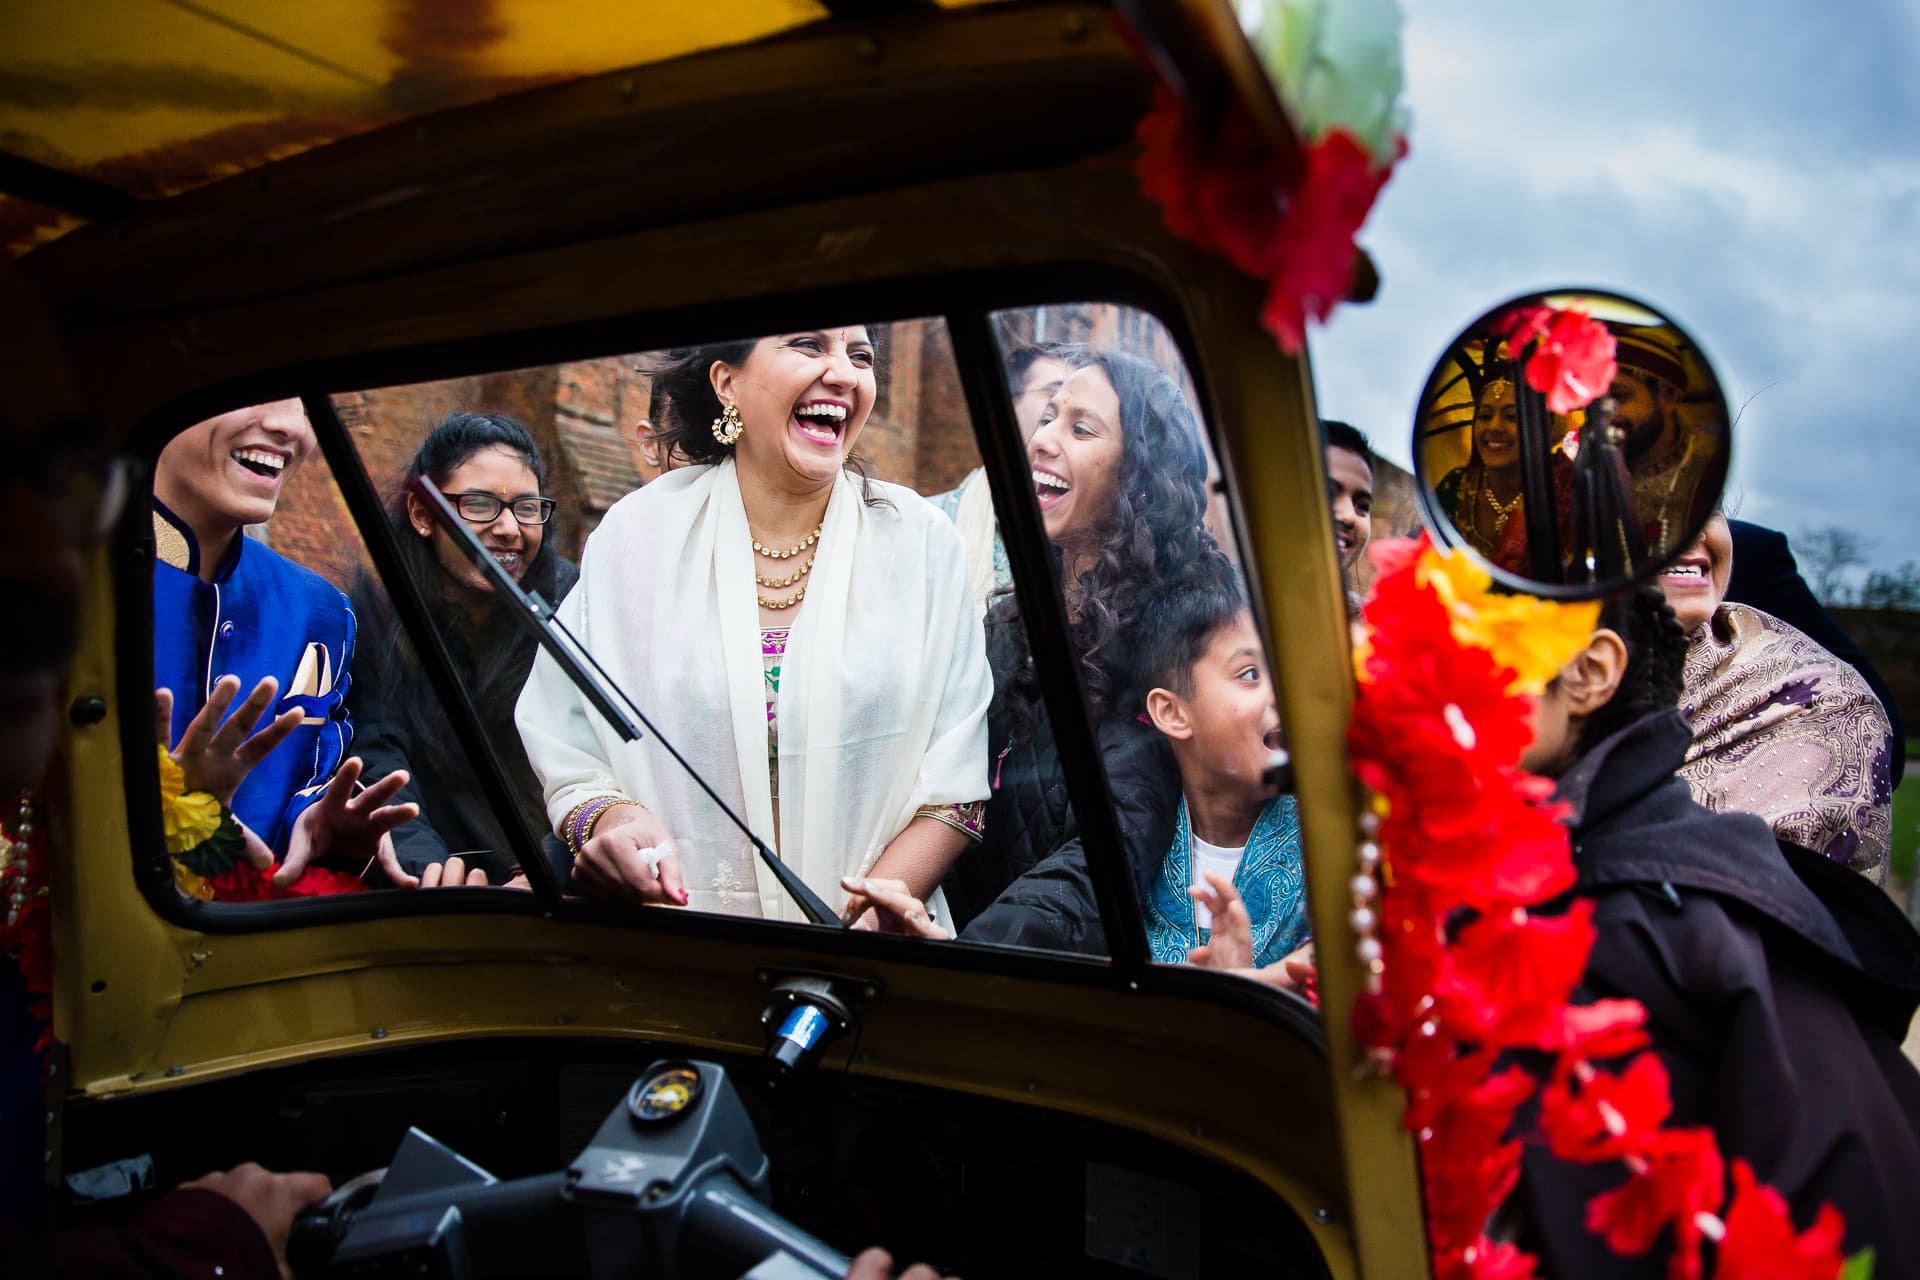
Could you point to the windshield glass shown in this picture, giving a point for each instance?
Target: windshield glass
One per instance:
(792, 591)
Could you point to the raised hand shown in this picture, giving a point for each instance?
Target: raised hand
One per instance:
(215, 755)
(348, 829)
(1231, 943)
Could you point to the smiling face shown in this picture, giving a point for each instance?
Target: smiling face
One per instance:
(1696, 583)
(1496, 426)
(1231, 723)
(1076, 453)
(1645, 408)
(1350, 489)
(228, 472)
(501, 472)
(803, 398)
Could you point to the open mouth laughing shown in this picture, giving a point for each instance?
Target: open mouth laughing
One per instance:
(1049, 489)
(820, 422)
(260, 462)
(1688, 572)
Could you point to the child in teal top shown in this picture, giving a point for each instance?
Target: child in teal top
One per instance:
(1210, 694)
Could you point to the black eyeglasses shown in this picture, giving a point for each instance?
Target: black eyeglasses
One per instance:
(484, 508)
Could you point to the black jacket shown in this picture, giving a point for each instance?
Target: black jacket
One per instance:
(1027, 882)
(1778, 987)
(400, 724)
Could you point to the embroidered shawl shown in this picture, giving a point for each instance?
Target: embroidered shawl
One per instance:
(883, 699)
(1785, 730)
(1269, 879)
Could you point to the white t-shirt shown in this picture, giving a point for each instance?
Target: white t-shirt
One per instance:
(1222, 862)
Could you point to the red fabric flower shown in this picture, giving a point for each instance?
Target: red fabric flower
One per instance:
(243, 882)
(1313, 268)
(1603, 1029)
(1224, 194)
(1684, 1177)
(1512, 974)
(1760, 1243)
(1485, 1260)
(1573, 365)
(1606, 1116)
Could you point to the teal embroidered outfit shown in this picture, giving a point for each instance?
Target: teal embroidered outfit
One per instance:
(1269, 880)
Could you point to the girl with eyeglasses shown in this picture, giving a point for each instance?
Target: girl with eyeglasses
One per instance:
(490, 470)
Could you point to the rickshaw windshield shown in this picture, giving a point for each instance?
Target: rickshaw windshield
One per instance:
(828, 641)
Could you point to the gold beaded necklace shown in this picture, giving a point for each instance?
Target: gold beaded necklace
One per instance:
(790, 579)
(790, 552)
(1503, 512)
(787, 603)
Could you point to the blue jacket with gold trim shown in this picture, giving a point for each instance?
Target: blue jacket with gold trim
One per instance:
(262, 615)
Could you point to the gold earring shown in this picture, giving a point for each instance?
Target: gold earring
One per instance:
(727, 427)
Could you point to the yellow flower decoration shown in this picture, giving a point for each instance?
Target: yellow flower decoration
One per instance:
(190, 817)
(1533, 637)
(189, 884)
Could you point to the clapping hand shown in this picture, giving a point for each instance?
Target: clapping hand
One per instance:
(1230, 945)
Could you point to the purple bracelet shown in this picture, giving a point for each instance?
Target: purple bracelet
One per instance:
(583, 819)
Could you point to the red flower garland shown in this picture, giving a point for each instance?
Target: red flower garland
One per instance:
(1230, 194)
(1436, 733)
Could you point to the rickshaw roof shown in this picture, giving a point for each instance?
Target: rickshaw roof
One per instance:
(117, 102)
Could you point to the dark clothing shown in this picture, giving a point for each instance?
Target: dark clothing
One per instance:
(1765, 575)
(401, 724)
(1027, 883)
(1050, 902)
(185, 1233)
(1778, 988)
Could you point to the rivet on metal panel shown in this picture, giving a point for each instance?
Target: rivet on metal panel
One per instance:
(379, 1033)
(87, 710)
(1323, 1216)
(174, 1073)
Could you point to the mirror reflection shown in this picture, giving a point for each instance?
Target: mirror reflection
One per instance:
(1584, 452)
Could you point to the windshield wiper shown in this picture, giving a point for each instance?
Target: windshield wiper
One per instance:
(599, 688)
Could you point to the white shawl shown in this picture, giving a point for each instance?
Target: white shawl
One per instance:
(980, 530)
(883, 689)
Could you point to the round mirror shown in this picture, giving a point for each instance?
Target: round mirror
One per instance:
(1573, 441)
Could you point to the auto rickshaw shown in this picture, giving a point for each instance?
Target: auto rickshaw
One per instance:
(382, 208)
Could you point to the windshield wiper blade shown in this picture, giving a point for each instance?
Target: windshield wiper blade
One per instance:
(600, 689)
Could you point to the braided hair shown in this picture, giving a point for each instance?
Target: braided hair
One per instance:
(1656, 661)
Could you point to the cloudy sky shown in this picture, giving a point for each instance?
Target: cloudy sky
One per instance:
(1752, 167)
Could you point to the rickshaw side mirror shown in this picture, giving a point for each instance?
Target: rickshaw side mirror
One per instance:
(1565, 473)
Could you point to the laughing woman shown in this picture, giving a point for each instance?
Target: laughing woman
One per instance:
(1120, 478)
(806, 637)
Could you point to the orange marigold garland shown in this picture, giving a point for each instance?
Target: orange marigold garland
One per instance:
(1465, 835)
